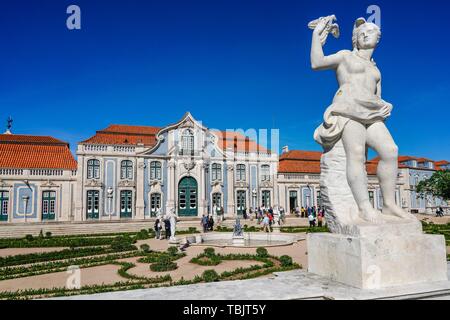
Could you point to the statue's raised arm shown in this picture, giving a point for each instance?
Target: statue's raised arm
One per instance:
(322, 28)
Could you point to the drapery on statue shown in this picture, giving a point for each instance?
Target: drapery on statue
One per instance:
(356, 120)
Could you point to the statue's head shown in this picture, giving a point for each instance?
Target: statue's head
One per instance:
(366, 35)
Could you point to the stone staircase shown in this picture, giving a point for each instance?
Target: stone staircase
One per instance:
(16, 230)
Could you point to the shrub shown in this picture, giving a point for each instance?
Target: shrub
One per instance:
(29, 237)
(122, 243)
(210, 252)
(142, 235)
(286, 261)
(192, 229)
(164, 263)
(210, 276)
(172, 251)
(145, 248)
(262, 252)
(48, 234)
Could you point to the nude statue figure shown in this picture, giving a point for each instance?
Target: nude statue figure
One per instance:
(357, 115)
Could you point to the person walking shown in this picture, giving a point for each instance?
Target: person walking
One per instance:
(303, 212)
(319, 220)
(204, 223)
(158, 228)
(211, 223)
(265, 223)
(312, 220)
(167, 227)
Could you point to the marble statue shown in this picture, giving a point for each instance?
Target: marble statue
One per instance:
(237, 232)
(365, 249)
(173, 224)
(356, 120)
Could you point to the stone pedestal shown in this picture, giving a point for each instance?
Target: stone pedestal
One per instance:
(238, 240)
(174, 241)
(380, 257)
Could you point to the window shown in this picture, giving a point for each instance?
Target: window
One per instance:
(187, 143)
(371, 198)
(240, 172)
(265, 173)
(155, 170)
(126, 170)
(155, 204)
(93, 201)
(266, 199)
(216, 172)
(126, 204)
(319, 198)
(93, 169)
(4, 202)
(217, 200)
(48, 205)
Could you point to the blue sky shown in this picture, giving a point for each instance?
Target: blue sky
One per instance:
(232, 64)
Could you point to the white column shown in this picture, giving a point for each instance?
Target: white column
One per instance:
(230, 212)
(140, 212)
(170, 204)
(79, 195)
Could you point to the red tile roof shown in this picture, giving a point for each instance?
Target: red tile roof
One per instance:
(125, 135)
(238, 142)
(299, 161)
(402, 159)
(35, 152)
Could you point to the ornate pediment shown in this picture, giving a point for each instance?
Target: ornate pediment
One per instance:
(127, 183)
(241, 185)
(49, 184)
(266, 184)
(155, 183)
(92, 183)
(189, 166)
(188, 123)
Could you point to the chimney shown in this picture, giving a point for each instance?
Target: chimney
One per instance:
(285, 149)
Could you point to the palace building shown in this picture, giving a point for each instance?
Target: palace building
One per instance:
(127, 173)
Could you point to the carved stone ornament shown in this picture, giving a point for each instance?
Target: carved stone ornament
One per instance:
(92, 183)
(230, 167)
(266, 184)
(49, 184)
(141, 165)
(189, 166)
(241, 184)
(126, 183)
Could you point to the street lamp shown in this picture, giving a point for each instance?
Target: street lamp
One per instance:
(109, 195)
(25, 200)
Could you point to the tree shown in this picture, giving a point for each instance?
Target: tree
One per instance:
(438, 185)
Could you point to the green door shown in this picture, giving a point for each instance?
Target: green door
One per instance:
(293, 202)
(126, 204)
(241, 205)
(187, 197)
(48, 205)
(4, 202)
(92, 207)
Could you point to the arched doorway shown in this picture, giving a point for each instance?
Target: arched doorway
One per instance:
(187, 197)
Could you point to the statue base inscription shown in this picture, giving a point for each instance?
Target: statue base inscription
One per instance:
(379, 258)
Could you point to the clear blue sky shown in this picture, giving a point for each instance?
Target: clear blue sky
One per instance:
(232, 64)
